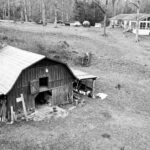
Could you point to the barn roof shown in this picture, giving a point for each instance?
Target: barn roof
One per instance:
(130, 16)
(82, 75)
(12, 62)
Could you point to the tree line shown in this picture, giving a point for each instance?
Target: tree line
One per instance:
(66, 10)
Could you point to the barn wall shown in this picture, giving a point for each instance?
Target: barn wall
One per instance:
(62, 92)
(58, 74)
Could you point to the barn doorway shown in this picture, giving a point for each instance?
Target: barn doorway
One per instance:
(43, 98)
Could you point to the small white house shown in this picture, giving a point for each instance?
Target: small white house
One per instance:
(128, 21)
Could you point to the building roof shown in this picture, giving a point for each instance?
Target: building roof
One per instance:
(12, 62)
(82, 75)
(130, 17)
(118, 17)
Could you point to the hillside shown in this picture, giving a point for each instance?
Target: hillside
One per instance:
(120, 121)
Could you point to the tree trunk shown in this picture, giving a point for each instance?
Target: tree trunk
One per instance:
(67, 17)
(137, 25)
(43, 13)
(55, 22)
(22, 16)
(4, 10)
(25, 11)
(113, 7)
(4, 13)
(62, 13)
(8, 9)
(105, 19)
(30, 10)
(14, 17)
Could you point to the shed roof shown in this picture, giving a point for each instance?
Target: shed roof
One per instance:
(12, 62)
(82, 75)
(130, 16)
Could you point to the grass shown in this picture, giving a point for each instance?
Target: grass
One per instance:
(38, 43)
(122, 121)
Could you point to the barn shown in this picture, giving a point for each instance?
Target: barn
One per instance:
(37, 78)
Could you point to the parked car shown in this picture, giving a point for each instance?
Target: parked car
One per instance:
(67, 23)
(60, 22)
(76, 24)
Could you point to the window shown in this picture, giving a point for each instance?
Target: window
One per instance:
(142, 25)
(43, 81)
(148, 19)
(148, 25)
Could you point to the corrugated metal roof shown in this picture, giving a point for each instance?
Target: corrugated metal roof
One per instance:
(130, 17)
(82, 75)
(12, 62)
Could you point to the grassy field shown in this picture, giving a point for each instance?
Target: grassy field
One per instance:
(120, 122)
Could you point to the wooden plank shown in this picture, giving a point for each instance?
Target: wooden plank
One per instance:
(34, 86)
(24, 107)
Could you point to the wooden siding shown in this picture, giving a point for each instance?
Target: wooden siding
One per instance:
(58, 74)
(62, 93)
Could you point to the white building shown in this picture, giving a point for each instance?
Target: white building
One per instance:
(128, 21)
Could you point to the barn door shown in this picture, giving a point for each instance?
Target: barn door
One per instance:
(34, 86)
(60, 95)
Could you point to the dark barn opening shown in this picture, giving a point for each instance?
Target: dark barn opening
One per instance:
(43, 98)
(43, 82)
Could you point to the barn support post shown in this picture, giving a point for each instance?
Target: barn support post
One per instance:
(93, 88)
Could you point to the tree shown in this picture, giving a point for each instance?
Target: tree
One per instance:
(104, 10)
(8, 3)
(62, 11)
(136, 3)
(56, 11)
(43, 13)
(25, 11)
(113, 6)
(30, 10)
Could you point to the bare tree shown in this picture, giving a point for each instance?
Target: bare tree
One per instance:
(103, 8)
(25, 11)
(30, 9)
(43, 13)
(8, 4)
(4, 10)
(62, 11)
(137, 4)
(56, 11)
(113, 6)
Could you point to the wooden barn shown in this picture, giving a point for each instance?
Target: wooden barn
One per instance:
(37, 78)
